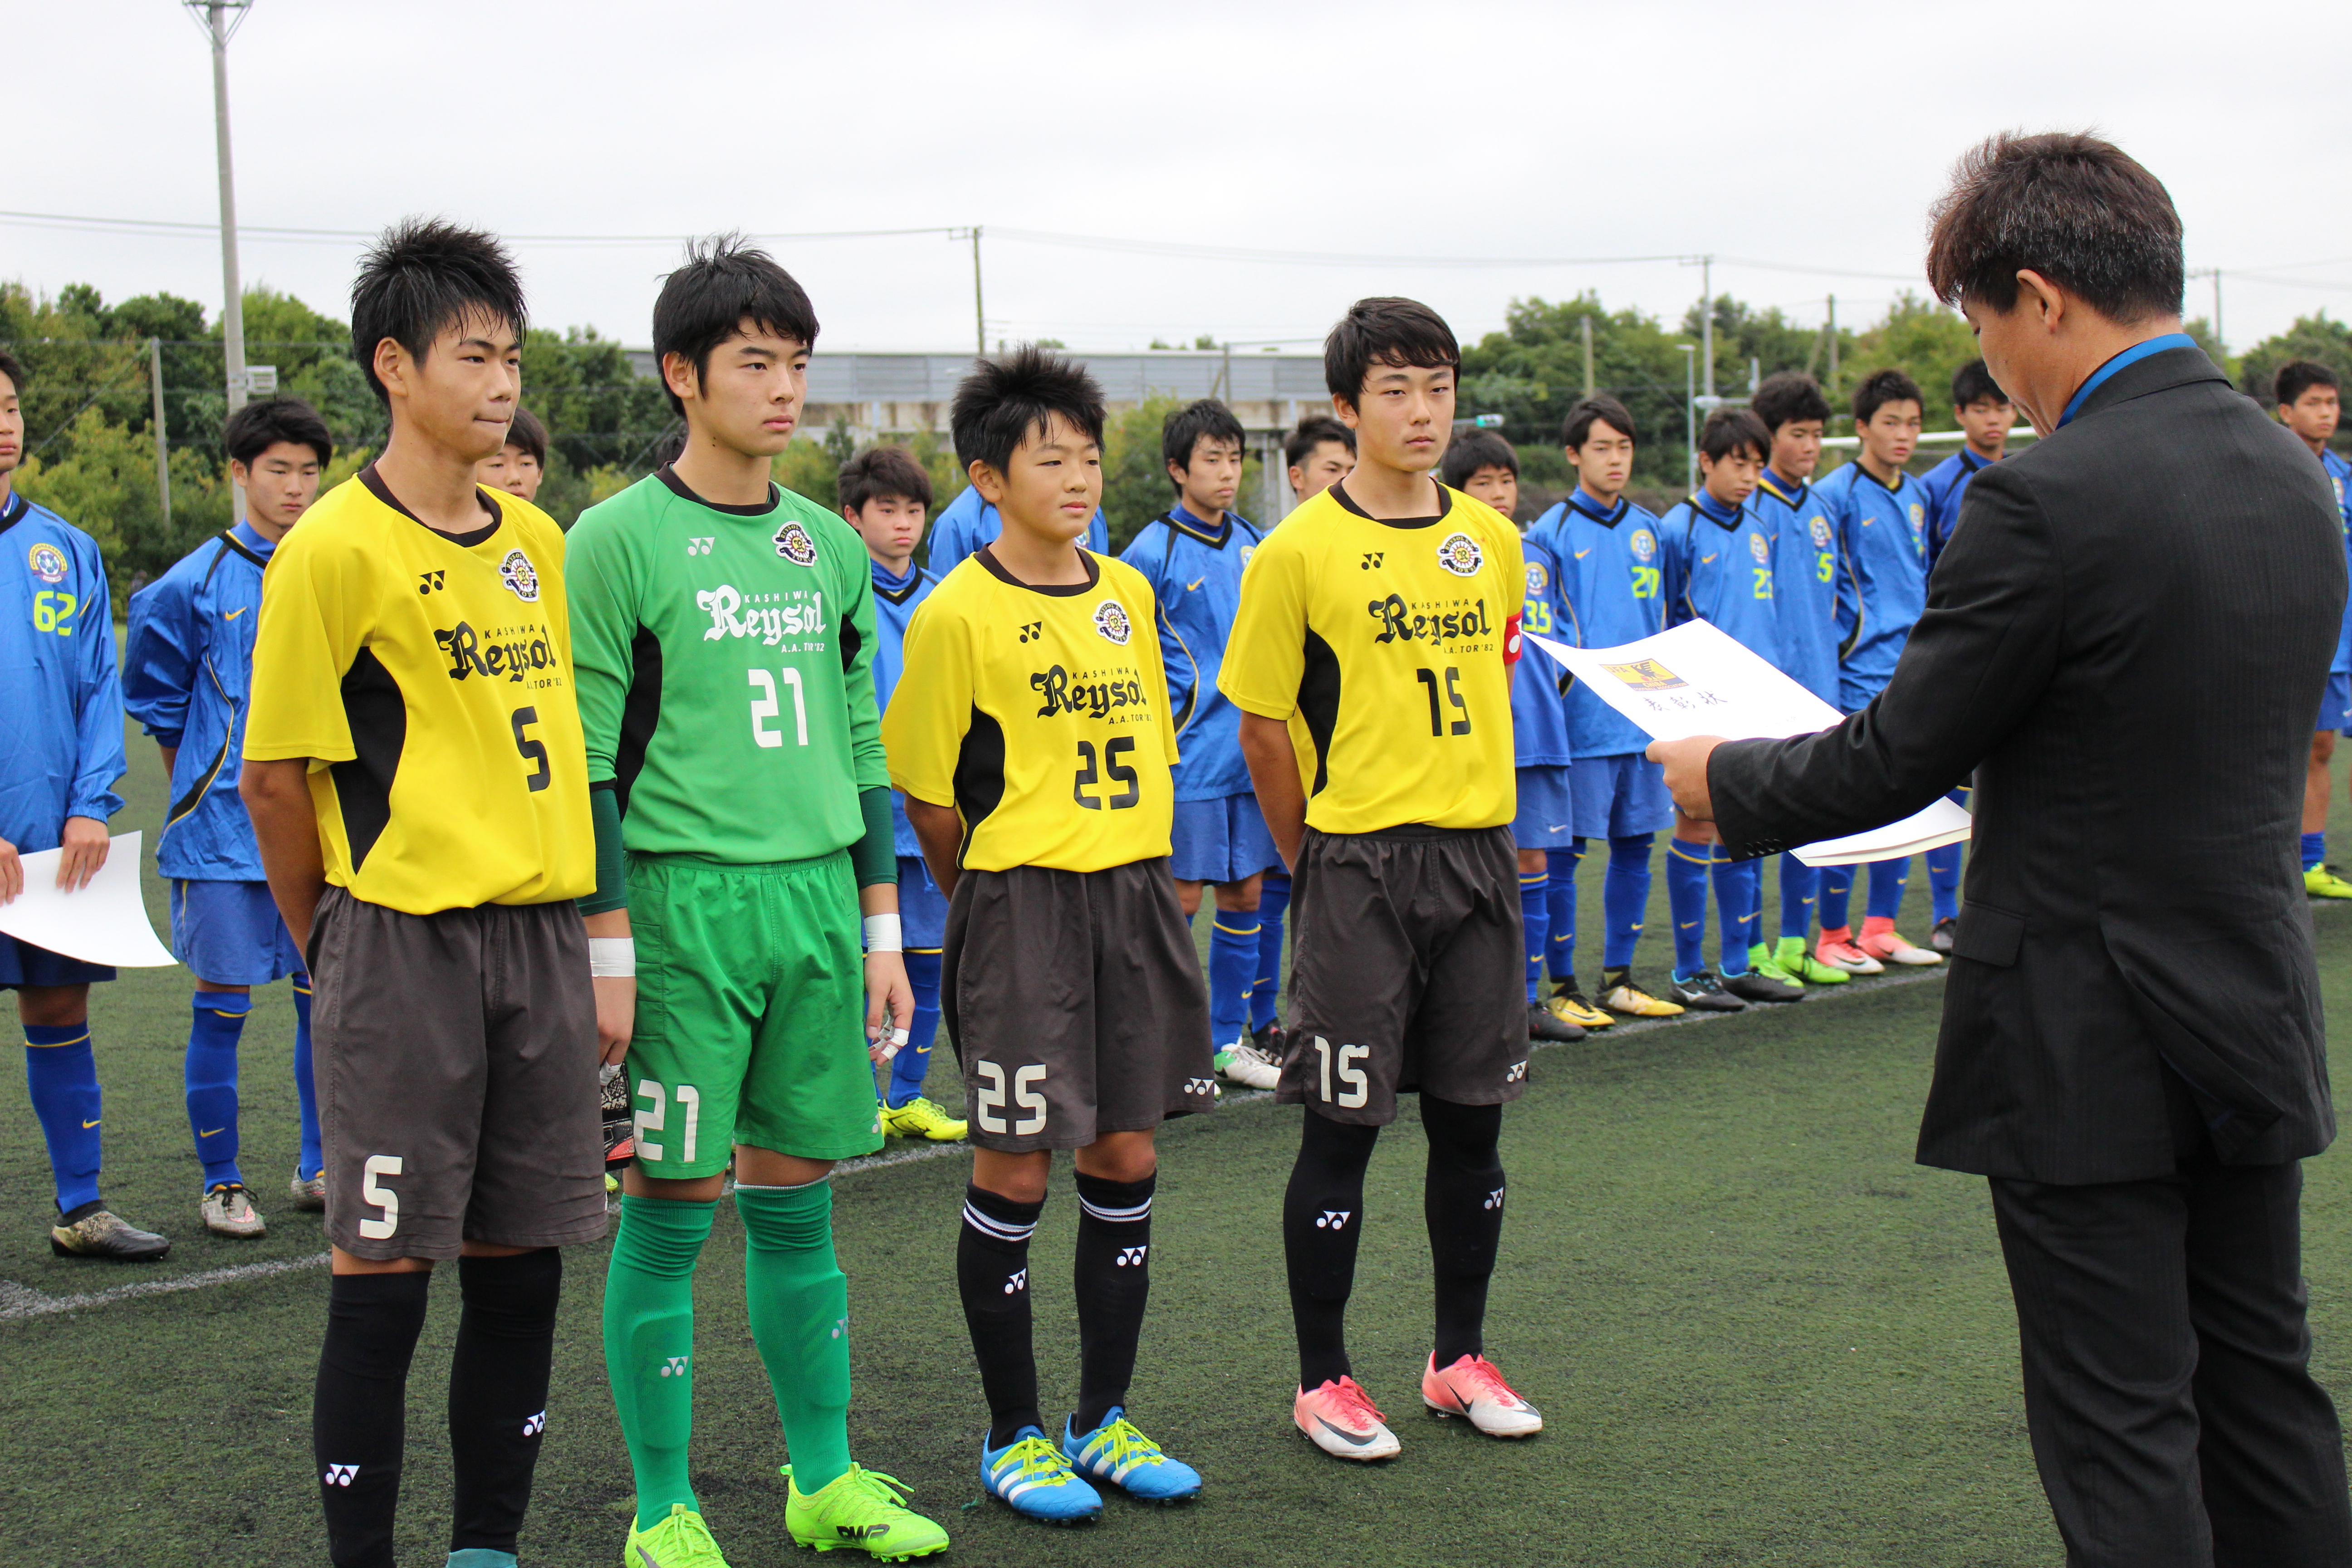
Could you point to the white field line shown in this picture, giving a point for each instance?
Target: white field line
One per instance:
(20, 1303)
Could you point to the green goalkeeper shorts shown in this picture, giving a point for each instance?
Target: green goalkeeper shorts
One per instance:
(750, 1012)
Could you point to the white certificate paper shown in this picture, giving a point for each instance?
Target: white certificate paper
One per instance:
(1696, 680)
(104, 921)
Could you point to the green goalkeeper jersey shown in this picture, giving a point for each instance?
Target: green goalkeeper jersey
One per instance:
(724, 660)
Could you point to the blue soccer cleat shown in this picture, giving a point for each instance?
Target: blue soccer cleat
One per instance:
(1030, 1476)
(1116, 1453)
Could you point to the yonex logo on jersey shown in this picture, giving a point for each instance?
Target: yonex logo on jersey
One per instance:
(1643, 543)
(1334, 1219)
(699, 546)
(799, 614)
(1200, 1086)
(676, 1366)
(520, 576)
(532, 1426)
(1091, 697)
(1131, 1257)
(1017, 1283)
(426, 582)
(1538, 578)
(1493, 1200)
(340, 1475)
(1398, 625)
(1820, 529)
(1032, 630)
(1459, 554)
(1759, 549)
(1111, 620)
(469, 655)
(1373, 558)
(794, 545)
(47, 562)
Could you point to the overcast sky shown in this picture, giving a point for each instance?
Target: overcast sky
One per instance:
(1811, 137)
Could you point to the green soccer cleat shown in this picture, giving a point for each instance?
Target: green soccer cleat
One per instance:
(864, 1511)
(922, 1118)
(1762, 962)
(1796, 961)
(680, 1540)
(2322, 882)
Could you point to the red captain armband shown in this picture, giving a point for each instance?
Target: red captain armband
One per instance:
(1511, 640)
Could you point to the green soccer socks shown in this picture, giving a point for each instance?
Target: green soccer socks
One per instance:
(649, 1344)
(799, 1304)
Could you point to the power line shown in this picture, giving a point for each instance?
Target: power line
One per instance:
(167, 228)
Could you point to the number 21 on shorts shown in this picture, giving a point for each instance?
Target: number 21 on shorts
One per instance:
(655, 1119)
(1357, 1086)
(987, 1099)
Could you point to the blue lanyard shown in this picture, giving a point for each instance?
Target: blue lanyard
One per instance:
(2131, 355)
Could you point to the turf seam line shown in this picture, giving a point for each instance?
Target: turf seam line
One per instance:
(20, 1303)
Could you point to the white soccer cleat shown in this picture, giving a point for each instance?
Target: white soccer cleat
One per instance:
(1246, 1064)
(1890, 947)
(229, 1210)
(1340, 1420)
(1473, 1390)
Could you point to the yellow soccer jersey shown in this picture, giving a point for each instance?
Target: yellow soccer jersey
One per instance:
(1041, 715)
(1383, 645)
(428, 680)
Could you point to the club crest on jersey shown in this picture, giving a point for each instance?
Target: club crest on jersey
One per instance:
(520, 577)
(48, 562)
(1538, 578)
(1111, 620)
(1459, 554)
(1643, 543)
(794, 545)
(1918, 517)
(1820, 529)
(1759, 549)
(1250, 550)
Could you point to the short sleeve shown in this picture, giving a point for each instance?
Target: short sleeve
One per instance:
(1265, 653)
(318, 606)
(923, 728)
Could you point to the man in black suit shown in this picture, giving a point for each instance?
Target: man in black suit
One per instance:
(2125, 641)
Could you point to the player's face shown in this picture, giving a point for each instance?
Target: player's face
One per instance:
(1732, 478)
(1893, 433)
(1325, 465)
(2313, 416)
(1604, 464)
(891, 527)
(513, 470)
(12, 427)
(279, 486)
(1497, 486)
(1210, 480)
(1406, 415)
(1053, 485)
(1985, 423)
(1797, 449)
(749, 397)
(461, 395)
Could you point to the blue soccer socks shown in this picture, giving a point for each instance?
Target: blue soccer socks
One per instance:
(1625, 898)
(1887, 881)
(1944, 881)
(1232, 973)
(306, 1087)
(211, 1077)
(1801, 886)
(1739, 887)
(913, 1062)
(1534, 920)
(1559, 865)
(61, 1076)
(1686, 874)
(2315, 850)
(1273, 904)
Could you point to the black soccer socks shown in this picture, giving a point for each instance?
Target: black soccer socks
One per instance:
(1113, 1282)
(498, 1391)
(358, 1423)
(1321, 1211)
(1463, 1202)
(993, 1276)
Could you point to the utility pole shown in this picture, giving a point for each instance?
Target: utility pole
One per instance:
(979, 310)
(2219, 340)
(162, 441)
(1690, 416)
(219, 26)
(1586, 323)
(1832, 330)
(1707, 316)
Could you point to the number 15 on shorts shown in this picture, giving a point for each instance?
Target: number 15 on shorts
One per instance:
(1356, 1085)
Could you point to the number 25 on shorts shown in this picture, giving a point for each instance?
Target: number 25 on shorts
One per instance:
(987, 1099)
(1357, 1086)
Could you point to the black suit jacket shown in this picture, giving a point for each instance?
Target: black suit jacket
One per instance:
(2125, 641)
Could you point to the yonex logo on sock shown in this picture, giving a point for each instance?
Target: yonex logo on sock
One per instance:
(532, 1426)
(840, 1329)
(1018, 1283)
(675, 1366)
(1132, 1256)
(340, 1475)
(1335, 1219)
(1493, 1200)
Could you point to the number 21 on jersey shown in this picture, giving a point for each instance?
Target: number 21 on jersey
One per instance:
(765, 706)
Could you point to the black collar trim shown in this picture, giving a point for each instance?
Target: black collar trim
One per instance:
(383, 493)
(1606, 520)
(233, 543)
(901, 595)
(1444, 506)
(987, 558)
(668, 476)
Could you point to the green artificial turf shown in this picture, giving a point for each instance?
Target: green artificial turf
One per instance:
(1757, 1332)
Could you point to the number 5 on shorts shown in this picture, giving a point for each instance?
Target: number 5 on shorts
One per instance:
(1359, 1089)
(988, 1102)
(383, 1197)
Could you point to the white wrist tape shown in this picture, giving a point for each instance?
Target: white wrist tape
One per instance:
(612, 957)
(882, 935)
